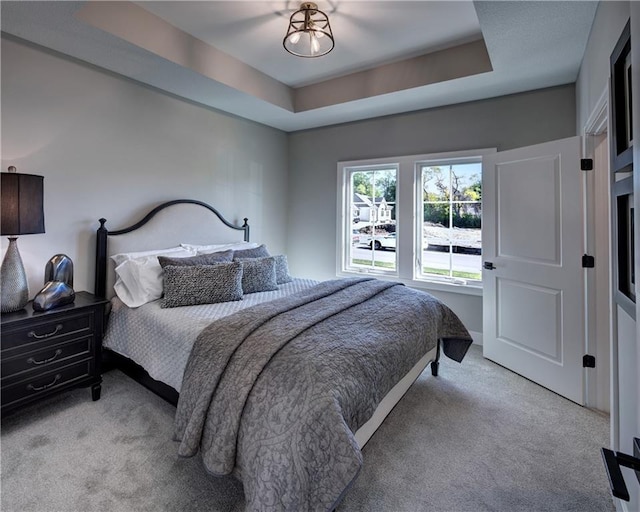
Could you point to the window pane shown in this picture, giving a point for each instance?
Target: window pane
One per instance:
(436, 214)
(466, 182)
(467, 215)
(436, 260)
(466, 265)
(435, 228)
(452, 220)
(373, 229)
(435, 183)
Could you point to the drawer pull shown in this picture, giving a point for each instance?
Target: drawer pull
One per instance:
(31, 387)
(32, 334)
(31, 360)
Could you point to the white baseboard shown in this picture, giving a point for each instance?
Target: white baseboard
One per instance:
(477, 337)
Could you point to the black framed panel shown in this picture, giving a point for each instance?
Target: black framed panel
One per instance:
(621, 103)
(625, 249)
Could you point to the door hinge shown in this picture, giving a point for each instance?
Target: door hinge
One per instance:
(588, 261)
(588, 361)
(586, 164)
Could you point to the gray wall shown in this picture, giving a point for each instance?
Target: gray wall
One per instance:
(109, 147)
(505, 123)
(610, 19)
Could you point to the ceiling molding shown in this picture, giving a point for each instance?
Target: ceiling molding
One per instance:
(149, 32)
(441, 66)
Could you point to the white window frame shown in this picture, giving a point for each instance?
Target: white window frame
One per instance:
(345, 224)
(407, 232)
(418, 275)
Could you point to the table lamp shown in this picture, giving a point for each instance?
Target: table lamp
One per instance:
(22, 213)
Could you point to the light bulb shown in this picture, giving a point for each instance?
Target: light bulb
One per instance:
(294, 38)
(315, 44)
(314, 28)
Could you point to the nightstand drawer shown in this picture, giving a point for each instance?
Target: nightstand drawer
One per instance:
(45, 383)
(43, 353)
(50, 329)
(40, 360)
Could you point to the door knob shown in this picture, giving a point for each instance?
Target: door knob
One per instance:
(489, 265)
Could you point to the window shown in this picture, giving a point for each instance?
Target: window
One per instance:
(450, 225)
(416, 219)
(371, 196)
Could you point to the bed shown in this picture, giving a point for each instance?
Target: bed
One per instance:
(281, 380)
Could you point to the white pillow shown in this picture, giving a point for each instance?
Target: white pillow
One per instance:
(208, 249)
(139, 275)
(119, 258)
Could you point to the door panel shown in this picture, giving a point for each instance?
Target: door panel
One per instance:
(523, 185)
(533, 310)
(521, 329)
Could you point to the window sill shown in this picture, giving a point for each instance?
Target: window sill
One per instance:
(422, 284)
(465, 289)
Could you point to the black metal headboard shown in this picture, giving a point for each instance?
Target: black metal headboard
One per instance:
(103, 234)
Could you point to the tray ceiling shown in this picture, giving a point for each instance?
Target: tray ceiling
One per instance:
(390, 56)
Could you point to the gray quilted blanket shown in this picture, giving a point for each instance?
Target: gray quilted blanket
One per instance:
(274, 393)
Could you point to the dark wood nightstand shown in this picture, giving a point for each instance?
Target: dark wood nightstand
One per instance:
(44, 353)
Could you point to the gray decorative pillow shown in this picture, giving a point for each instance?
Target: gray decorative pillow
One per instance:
(201, 284)
(202, 259)
(258, 274)
(282, 269)
(257, 252)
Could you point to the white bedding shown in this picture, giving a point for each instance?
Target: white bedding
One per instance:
(160, 340)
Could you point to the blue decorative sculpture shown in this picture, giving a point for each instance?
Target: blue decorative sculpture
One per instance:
(58, 288)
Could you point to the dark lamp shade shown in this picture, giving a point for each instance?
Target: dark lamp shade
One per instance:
(21, 204)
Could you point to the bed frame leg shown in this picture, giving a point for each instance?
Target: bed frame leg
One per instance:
(435, 364)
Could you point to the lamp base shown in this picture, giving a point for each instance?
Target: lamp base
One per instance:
(14, 291)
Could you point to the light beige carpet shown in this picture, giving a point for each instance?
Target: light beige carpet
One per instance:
(477, 438)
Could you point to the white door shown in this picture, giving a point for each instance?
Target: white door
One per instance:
(533, 306)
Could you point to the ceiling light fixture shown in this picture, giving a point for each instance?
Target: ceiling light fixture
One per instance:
(309, 33)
